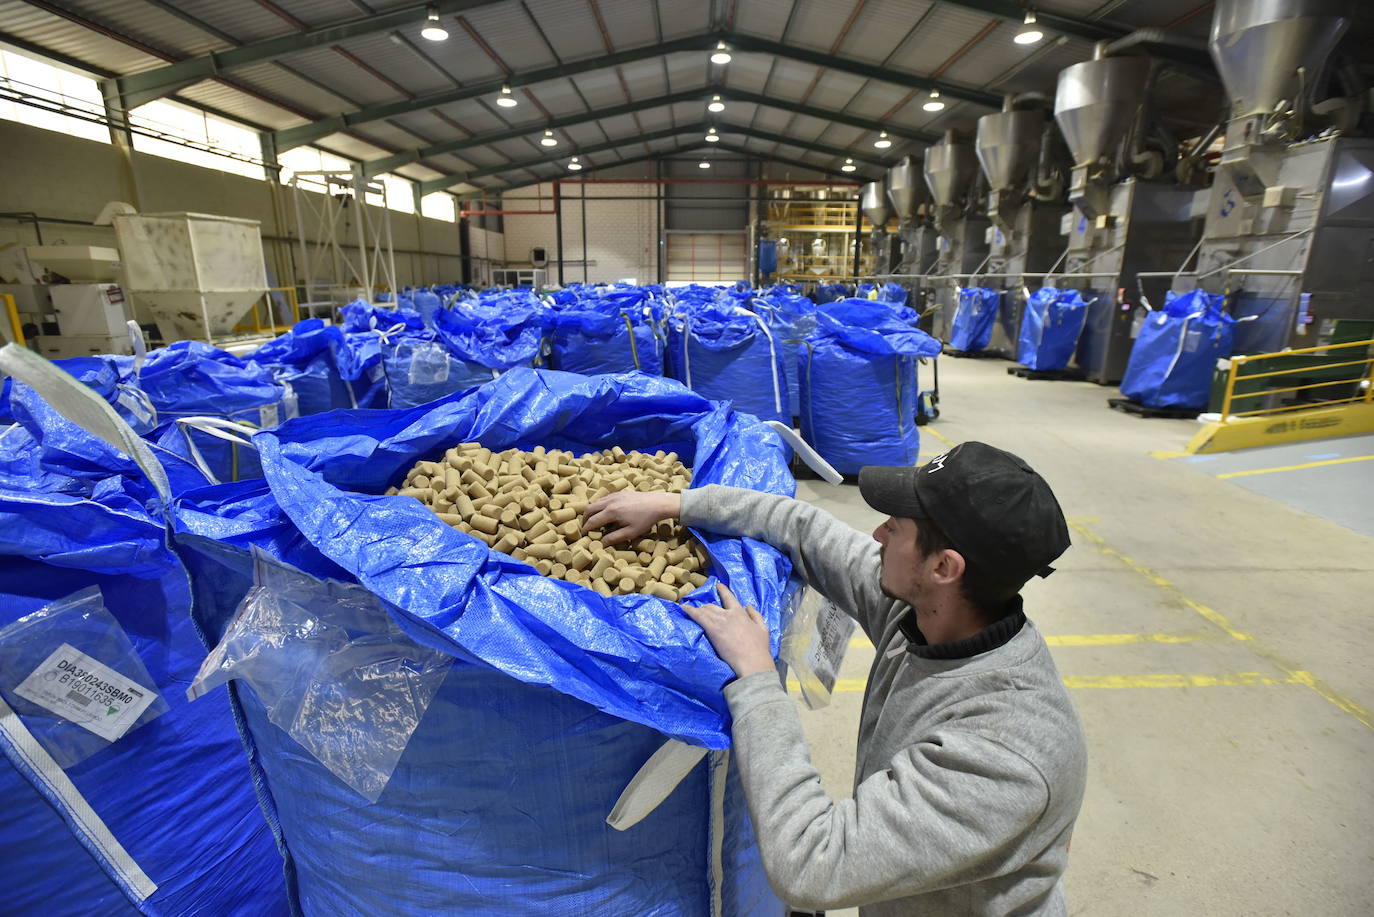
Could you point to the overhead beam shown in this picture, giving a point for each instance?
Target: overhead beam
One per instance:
(309, 133)
(1015, 11)
(389, 163)
(448, 181)
(140, 88)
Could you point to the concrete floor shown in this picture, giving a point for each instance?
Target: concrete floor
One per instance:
(1216, 637)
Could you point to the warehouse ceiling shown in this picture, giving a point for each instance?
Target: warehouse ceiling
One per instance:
(810, 82)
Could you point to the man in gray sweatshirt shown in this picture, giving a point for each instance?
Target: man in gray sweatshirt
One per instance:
(971, 759)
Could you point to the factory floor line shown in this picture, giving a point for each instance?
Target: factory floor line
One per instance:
(1215, 639)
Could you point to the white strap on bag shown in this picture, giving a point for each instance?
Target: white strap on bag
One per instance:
(90, 829)
(654, 782)
(228, 430)
(139, 345)
(810, 456)
(772, 355)
(83, 407)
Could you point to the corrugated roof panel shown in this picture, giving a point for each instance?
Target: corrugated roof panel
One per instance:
(569, 26)
(765, 18)
(835, 90)
(232, 102)
(1038, 70)
(351, 147)
(818, 23)
(277, 81)
(792, 79)
(324, 12)
(771, 119)
(629, 22)
(332, 69)
(580, 135)
(691, 113)
(511, 34)
(386, 133)
(389, 55)
(620, 126)
(940, 36)
(656, 119)
(64, 37)
(426, 123)
(806, 126)
(680, 19)
(881, 26)
(600, 88)
(148, 24)
(247, 22)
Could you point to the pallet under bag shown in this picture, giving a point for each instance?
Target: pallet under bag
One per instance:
(532, 702)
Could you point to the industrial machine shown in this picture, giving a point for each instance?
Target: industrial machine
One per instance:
(1128, 217)
(908, 194)
(1289, 231)
(951, 173)
(80, 309)
(883, 249)
(1016, 149)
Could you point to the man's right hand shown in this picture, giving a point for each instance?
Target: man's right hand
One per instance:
(630, 514)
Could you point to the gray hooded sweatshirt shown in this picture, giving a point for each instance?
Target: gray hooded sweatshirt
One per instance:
(970, 770)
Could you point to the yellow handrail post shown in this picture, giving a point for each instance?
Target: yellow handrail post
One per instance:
(1230, 389)
(16, 327)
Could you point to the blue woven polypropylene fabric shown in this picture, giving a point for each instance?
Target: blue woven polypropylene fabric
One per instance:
(309, 358)
(792, 319)
(974, 318)
(557, 695)
(111, 377)
(728, 356)
(1050, 327)
(859, 385)
(1176, 351)
(604, 335)
(174, 792)
(362, 316)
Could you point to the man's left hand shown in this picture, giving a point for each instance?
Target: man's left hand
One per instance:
(738, 634)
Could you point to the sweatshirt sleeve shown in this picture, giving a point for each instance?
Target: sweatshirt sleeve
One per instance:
(949, 810)
(837, 560)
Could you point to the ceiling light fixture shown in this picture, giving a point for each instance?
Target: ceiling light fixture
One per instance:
(716, 104)
(548, 139)
(883, 141)
(848, 166)
(1030, 33)
(712, 136)
(934, 102)
(703, 165)
(432, 29)
(721, 54)
(574, 165)
(505, 99)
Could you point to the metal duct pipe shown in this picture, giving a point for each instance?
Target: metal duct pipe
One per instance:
(1142, 37)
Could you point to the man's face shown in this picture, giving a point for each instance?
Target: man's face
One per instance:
(903, 568)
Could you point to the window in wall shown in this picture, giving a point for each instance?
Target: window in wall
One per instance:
(310, 159)
(439, 206)
(192, 136)
(39, 94)
(399, 195)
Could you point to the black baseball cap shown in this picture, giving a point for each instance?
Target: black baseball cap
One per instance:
(994, 509)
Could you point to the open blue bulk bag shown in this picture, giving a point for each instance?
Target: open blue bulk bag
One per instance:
(1176, 351)
(1050, 326)
(859, 388)
(894, 293)
(469, 346)
(829, 292)
(362, 316)
(151, 812)
(727, 353)
(974, 318)
(600, 336)
(791, 318)
(309, 358)
(552, 696)
(194, 379)
(111, 377)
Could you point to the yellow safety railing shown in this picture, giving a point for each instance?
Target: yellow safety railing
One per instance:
(258, 326)
(16, 327)
(1360, 393)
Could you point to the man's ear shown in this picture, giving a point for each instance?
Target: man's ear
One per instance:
(949, 568)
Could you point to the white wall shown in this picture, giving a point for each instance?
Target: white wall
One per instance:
(621, 234)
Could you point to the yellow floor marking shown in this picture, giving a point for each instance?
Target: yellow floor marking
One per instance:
(940, 436)
(1295, 675)
(1120, 682)
(860, 643)
(1168, 454)
(1339, 461)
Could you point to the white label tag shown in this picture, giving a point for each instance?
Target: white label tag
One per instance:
(833, 629)
(267, 415)
(86, 692)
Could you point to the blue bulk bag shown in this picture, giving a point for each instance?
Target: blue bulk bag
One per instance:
(361, 367)
(791, 318)
(553, 695)
(974, 317)
(1050, 327)
(159, 815)
(112, 377)
(362, 316)
(859, 388)
(191, 379)
(426, 304)
(603, 336)
(469, 346)
(727, 353)
(894, 293)
(1176, 351)
(308, 358)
